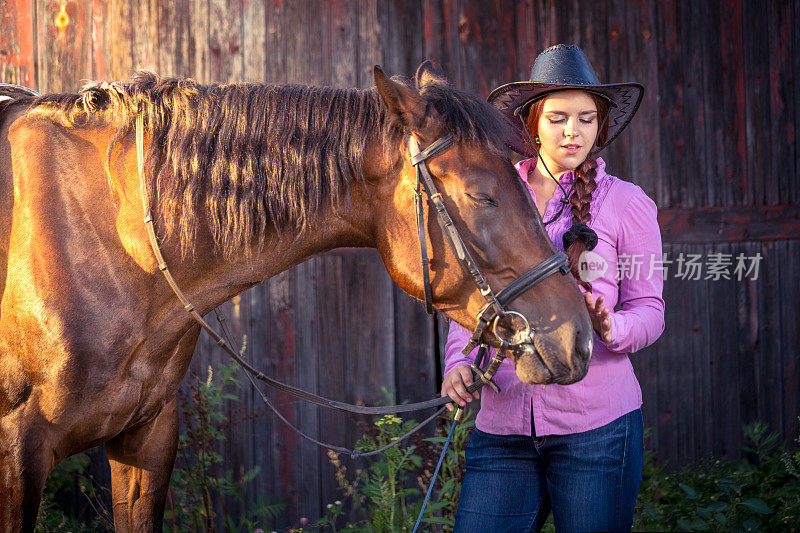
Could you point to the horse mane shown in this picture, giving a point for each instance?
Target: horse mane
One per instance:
(245, 157)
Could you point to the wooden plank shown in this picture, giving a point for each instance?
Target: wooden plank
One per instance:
(780, 185)
(791, 129)
(668, 372)
(759, 169)
(681, 98)
(725, 380)
(415, 352)
(332, 370)
(402, 36)
(343, 46)
(311, 354)
(788, 257)
(199, 28)
(370, 43)
(225, 40)
(275, 50)
(17, 45)
(263, 337)
(282, 309)
(670, 102)
(617, 67)
(482, 39)
(436, 38)
(145, 34)
(764, 319)
(643, 134)
(64, 45)
(568, 21)
(646, 364)
(254, 41)
(236, 448)
(731, 146)
(527, 38)
(600, 37)
(371, 340)
(730, 224)
(177, 41)
(748, 342)
(702, 328)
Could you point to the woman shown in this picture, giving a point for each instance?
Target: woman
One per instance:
(574, 449)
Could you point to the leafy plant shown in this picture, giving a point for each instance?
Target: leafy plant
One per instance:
(760, 492)
(62, 484)
(385, 497)
(199, 484)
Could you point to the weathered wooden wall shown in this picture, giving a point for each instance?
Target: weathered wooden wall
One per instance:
(714, 143)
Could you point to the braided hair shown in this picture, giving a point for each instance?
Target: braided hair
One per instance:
(575, 240)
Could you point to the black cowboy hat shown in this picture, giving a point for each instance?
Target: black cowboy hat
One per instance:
(559, 68)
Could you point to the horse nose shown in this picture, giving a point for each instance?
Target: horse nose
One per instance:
(583, 345)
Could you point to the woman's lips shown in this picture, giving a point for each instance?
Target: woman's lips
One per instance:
(572, 149)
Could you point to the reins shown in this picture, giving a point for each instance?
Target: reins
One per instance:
(253, 372)
(489, 316)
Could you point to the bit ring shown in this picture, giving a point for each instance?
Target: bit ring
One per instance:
(527, 328)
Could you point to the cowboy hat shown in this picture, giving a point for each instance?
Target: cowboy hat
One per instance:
(558, 68)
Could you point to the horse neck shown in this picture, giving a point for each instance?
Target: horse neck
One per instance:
(211, 278)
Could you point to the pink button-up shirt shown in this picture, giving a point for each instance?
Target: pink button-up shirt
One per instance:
(629, 241)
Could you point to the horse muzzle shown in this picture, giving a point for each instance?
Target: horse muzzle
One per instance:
(537, 362)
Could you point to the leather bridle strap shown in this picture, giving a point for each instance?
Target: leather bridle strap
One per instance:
(495, 306)
(299, 393)
(418, 159)
(558, 261)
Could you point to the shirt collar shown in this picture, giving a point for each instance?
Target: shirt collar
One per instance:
(525, 166)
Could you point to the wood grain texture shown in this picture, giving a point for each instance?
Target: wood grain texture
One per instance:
(730, 224)
(17, 42)
(714, 143)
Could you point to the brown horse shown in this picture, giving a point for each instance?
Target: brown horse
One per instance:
(246, 181)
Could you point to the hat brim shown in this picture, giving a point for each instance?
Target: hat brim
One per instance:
(511, 99)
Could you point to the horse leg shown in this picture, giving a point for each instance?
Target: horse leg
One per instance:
(141, 461)
(26, 457)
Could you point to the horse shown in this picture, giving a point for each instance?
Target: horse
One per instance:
(246, 181)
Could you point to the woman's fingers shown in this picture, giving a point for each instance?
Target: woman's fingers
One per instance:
(455, 386)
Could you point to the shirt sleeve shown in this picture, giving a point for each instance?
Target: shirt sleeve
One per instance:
(457, 337)
(640, 321)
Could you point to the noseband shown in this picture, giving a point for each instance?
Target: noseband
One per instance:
(495, 308)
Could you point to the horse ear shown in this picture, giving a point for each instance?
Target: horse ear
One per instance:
(403, 102)
(426, 73)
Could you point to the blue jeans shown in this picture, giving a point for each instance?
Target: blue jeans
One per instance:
(589, 480)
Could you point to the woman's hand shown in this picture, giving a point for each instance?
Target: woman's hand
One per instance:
(455, 385)
(601, 321)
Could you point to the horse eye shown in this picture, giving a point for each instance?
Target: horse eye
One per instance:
(482, 199)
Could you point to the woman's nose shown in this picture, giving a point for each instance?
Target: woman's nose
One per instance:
(570, 130)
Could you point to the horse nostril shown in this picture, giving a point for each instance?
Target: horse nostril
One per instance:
(583, 345)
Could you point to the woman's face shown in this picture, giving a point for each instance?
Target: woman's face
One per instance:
(567, 129)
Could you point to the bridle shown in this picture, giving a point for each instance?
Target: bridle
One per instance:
(495, 308)
(490, 315)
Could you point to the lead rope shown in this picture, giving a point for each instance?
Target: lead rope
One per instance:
(354, 453)
(251, 371)
(484, 377)
(456, 419)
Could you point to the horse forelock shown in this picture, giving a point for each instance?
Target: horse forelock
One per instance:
(470, 118)
(245, 158)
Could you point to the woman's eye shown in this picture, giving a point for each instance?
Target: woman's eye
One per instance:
(482, 199)
(587, 121)
(557, 120)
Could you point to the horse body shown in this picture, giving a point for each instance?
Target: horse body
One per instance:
(94, 345)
